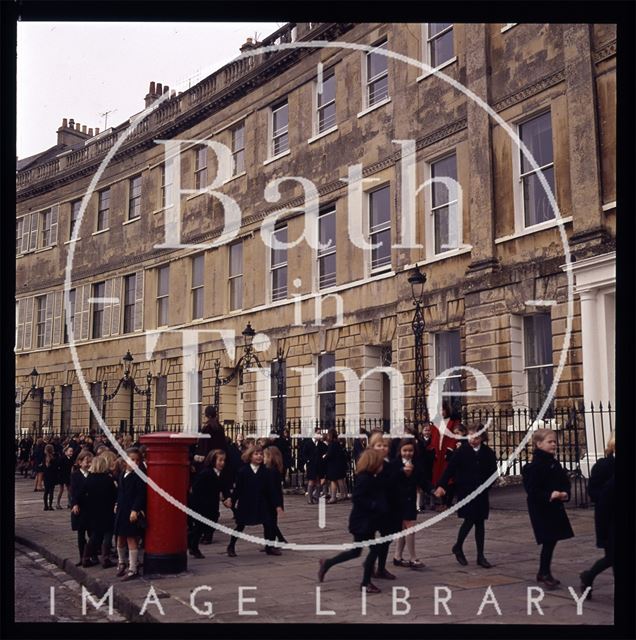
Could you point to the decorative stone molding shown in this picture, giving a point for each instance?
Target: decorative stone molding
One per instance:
(530, 90)
(605, 52)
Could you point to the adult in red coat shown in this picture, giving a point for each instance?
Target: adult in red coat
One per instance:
(444, 444)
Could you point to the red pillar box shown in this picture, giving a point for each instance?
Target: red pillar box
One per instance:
(166, 539)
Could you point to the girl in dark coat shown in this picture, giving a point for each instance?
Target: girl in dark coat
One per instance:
(600, 488)
(131, 502)
(391, 521)
(425, 459)
(369, 507)
(273, 459)
(335, 464)
(254, 499)
(208, 485)
(548, 487)
(50, 475)
(408, 479)
(64, 476)
(313, 452)
(79, 507)
(470, 466)
(99, 494)
(38, 464)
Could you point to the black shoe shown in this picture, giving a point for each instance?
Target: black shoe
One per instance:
(383, 575)
(549, 581)
(231, 552)
(370, 588)
(322, 570)
(459, 554)
(196, 553)
(586, 582)
(482, 562)
(273, 551)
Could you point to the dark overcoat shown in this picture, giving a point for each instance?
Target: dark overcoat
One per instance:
(600, 488)
(254, 498)
(79, 521)
(100, 494)
(336, 461)
(51, 471)
(277, 486)
(65, 468)
(369, 505)
(426, 457)
(470, 469)
(316, 464)
(391, 521)
(541, 477)
(206, 490)
(406, 487)
(131, 496)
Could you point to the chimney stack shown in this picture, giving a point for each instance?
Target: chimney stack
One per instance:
(71, 132)
(248, 46)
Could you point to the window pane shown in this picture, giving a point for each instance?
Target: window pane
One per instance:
(380, 207)
(328, 381)
(536, 206)
(197, 303)
(162, 311)
(279, 283)
(274, 378)
(162, 281)
(435, 27)
(239, 162)
(442, 49)
(328, 407)
(376, 62)
(328, 92)
(536, 134)
(236, 259)
(538, 339)
(539, 383)
(446, 229)
(381, 255)
(378, 90)
(236, 293)
(281, 144)
(328, 270)
(326, 117)
(327, 230)
(280, 119)
(279, 256)
(197, 271)
(447, 351)
(444, 192)
(238, 138)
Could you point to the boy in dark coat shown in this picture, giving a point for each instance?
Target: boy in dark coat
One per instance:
(426, 460)
(313, 452)
(470, 466)
(254, 499)
(600, 488)
(548, 487)
(79, 506)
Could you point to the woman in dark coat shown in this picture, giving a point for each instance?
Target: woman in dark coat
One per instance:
(38, 464)
(313, 452)
(600, 488)
(51, 468)
(99, 494)
(208, 485)
(131, 503)
(548, 487)
(254, 499)
(64, 476)
(470, 466)
(79, 506)
(335, 461)
(369, 507)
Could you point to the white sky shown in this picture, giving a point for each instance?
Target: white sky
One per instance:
(82, 69)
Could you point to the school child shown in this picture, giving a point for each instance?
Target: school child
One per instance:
(445, 443)
(335, 465)
(79, 508)
(470, 466)
(313, 452)
(100, 494)
(131, 503)
(409, 478)
(114, 472)
(425, 456)
(369, 507)
(600, 488)
(273, 459)
(208, 485)
(64, 477)
(50, 475)
(391, 521)
(254, 499)
(548, 487)
(37, 464)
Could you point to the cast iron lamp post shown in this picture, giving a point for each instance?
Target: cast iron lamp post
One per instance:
(417, 279)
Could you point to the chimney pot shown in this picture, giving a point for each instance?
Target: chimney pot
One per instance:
(151, 91)
(159, 88)
(64, 122)
(173, 93)
(96, 130)
(166, 89)
(71, 123)
(83, 128)
(90, 132)
(77, 126)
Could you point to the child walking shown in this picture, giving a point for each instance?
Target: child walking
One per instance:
(369, 506)
(548, 487)
(208, 485)
(470, 466)
(50, 475)
(274, 462)
(254, 499)
(79, 508)
(131, 501)
(409, 478)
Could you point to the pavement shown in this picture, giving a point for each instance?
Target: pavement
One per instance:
(283, 589)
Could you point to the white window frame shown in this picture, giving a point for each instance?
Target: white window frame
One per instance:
(328, 392)
(436, 337)
(368, 232)
(326, 75)
(272, 268)
(429, 210)
(72, 221)
(46, 216)
(101, 211)
(167, 172)
(125, 305)
(134, 201)
(160, 406)
(366, 81)
(199, 403)
(164, 298)
(274, 392)
(200, 170)
(19, 228)
(519, 211)
(39, 320)
(329, 210)
(232, 277)
(426, 47)
(97, 307)
(197, 289)
(238, 150)
(73, 310)
(526, 368)
(274, 135)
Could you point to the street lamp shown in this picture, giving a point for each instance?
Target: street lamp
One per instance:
(128, 382)
(34, 383)
(417, 279)
(248, 358)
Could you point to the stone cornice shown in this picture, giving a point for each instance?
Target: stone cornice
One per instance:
(604, 52)
(530, 90)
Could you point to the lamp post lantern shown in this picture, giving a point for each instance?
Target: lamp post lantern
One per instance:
(417, 279)
(34, 383)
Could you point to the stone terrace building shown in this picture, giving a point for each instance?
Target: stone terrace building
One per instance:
(496, 291)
